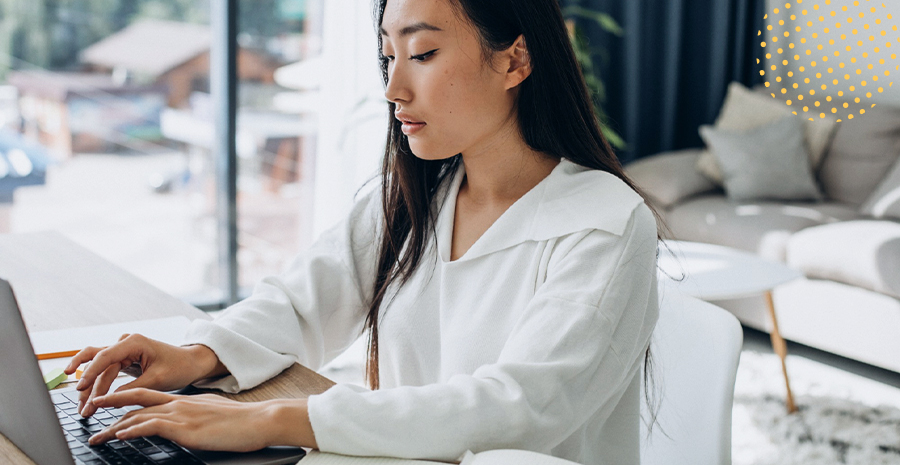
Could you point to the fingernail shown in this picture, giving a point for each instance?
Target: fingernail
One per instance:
(80, 384)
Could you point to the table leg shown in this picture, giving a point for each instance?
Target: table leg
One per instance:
(781, 349)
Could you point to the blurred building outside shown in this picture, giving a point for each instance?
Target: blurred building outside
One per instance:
(130, 131)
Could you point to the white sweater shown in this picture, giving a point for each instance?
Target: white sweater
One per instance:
(533, 339)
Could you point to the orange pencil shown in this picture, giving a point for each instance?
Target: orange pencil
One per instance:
(52, 355)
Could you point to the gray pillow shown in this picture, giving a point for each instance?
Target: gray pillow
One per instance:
(745, 109)
(767, 162)
(885, 201)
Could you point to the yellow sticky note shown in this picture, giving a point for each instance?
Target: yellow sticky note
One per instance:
(53, 377)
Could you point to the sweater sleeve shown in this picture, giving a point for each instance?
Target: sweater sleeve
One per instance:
(570, 357)
(309, 314)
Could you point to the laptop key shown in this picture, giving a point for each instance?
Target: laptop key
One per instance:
(158, 456)
(118, 445)
(157, 440)
(94, 428)
(138, 442)
(130, 453)
(80, 450)
(170, 448)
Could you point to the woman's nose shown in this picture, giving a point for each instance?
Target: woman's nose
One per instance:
(397, 89)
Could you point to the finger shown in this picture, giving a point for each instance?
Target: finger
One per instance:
(139, 382)
(153, 427)
(137, 396)
(112, 355)
(101, 386)
(83, 356)
(134, 418)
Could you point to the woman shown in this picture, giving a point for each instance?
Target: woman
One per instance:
(505, 272)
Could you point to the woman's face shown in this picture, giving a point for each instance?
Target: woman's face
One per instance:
(447, 97)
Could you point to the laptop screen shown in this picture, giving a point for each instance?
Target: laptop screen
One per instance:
(27, 416)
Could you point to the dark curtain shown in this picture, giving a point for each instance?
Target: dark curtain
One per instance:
(669, 72)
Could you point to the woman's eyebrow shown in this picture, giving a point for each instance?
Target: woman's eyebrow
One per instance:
(413, 28)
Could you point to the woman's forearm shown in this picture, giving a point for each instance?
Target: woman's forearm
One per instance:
(287, 423)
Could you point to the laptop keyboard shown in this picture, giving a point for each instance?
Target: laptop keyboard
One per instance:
(149, 450)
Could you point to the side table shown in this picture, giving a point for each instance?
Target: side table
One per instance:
(714, 272)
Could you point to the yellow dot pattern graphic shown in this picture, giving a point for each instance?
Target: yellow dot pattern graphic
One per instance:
(856, 53)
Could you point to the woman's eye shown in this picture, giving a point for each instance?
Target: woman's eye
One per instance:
(386, 58)
(423, 56)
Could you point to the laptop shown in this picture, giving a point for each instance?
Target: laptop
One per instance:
(46, 426)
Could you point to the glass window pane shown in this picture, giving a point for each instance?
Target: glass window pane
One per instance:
(108, 100)
(279, 72)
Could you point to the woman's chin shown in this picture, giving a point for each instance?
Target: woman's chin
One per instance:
(429, 153)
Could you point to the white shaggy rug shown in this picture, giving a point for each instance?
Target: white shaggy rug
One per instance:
(842, 418)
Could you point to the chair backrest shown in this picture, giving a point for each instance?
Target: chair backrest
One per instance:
(695, 351)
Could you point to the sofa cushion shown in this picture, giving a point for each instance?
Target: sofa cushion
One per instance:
(861, 153)
(864, 253)
(885, 201)
(767, 162)
(746, 109)
(669, 177)
(759, 227)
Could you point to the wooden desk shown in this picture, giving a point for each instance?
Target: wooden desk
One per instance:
(59, 285)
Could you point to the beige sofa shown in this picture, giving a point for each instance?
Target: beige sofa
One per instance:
(847, 245)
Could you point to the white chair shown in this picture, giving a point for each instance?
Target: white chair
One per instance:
(695, 351)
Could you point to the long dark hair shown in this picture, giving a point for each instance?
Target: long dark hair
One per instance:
(555, 117)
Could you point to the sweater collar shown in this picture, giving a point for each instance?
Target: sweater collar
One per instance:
(571, 198)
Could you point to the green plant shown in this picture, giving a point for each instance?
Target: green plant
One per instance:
(584, 53)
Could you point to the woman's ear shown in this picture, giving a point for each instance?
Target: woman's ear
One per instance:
(519, 60)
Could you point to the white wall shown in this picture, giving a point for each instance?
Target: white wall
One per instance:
(890, 95)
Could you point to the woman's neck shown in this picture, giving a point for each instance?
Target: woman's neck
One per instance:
(503, 169)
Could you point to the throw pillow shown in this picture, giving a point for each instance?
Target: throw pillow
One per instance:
(885, 201)
(861, 153)
(669, 177)
(745, 109)
(768, 162)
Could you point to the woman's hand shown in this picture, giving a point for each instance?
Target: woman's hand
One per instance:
(155, 364)
(208, 421)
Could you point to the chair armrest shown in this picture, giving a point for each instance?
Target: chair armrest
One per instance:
(669, 177)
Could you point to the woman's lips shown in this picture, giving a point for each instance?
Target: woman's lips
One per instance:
(410, 128)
